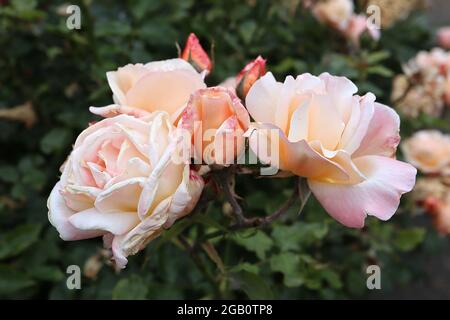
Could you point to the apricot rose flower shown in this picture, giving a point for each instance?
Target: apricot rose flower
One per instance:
(344, 144)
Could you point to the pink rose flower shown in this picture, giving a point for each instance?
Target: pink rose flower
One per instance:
(217, 120)
(141, 89)
(344, 144)
(443, 37)
(428, 151)
(120, 182)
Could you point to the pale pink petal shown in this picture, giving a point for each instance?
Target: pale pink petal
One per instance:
(79, 198)
(379, 195)
(59, 214)
(382, 136)
(115, 222)
(137, 239)
(115, 109)
(359, 123)
(228, 142)
(186, 196)
(165, 91)
(262, 98)
(326, 124)
(297, 157)
(122, 196)
(170, 65)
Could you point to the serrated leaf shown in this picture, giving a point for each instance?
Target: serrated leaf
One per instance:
(289, 265)
(258, 242)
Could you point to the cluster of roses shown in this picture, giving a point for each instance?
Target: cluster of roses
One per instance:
(121, 181)
(425, 85)
(429, 151)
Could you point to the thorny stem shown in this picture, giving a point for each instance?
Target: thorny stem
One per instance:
(223, 179)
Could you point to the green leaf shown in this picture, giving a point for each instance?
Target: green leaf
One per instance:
(408, 239)
(131, 288)
(289, 265)
(377, 56)
(246, 30)
(46, 273)
(332, 278)
(12, 281)
(245, 266)
(380, 70)
(257, 242)
(8, 174)
(55, 140)
(253, 285)
(19, 239)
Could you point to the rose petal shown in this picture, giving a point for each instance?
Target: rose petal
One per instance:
(382, 136)
(115, 222)
(379, 195)
(59, 215)
(262, 98)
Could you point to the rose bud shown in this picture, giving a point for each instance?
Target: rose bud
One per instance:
(247, 77)
(195, 54)
(216, 121)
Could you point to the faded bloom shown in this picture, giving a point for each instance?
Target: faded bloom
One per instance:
(428, 151)
(425, 87)
(335, 13)
(344, 144)
(195, 54)
(247, 77)
(140, 89)
(412, 100)
(393, 11)
(443, 37)
(217, 120)
(120, 182)
(433, 193)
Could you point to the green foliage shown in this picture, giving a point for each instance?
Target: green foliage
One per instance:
(62, 72)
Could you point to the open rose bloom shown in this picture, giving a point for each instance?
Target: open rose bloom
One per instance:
(120, 182)
(429, 151)
(140, 89)
(344, 144)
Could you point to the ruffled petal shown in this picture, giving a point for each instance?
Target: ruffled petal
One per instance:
(59, 214)
(379, 195)
(114, 222)
(382, 137)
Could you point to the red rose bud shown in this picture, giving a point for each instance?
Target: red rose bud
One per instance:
(195, 54)
(247, 77)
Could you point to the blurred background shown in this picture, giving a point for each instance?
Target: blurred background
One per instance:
(50, 75)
